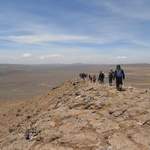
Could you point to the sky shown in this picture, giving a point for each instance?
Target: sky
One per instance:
(74, 31)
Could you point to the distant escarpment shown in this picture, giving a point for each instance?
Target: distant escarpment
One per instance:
(79, 115)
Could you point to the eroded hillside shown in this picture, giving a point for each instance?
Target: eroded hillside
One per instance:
(79, 115)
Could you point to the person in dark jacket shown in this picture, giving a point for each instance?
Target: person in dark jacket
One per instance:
(94, 78)
(110, 76)
(83, 75)
(101, 77)
(119, 75)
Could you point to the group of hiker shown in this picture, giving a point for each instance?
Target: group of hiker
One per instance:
(100, 77)
(118, 74)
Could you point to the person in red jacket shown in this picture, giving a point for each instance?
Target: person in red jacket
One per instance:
(90, 77)
(94, 78)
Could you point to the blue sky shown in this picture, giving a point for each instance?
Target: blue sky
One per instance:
(74, 31)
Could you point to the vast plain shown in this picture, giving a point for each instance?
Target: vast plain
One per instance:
(19, 83)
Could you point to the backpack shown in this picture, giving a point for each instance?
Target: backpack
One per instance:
(111, 73)
(119, 73)
(101, 75)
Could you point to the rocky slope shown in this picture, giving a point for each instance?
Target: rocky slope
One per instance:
(79, 115)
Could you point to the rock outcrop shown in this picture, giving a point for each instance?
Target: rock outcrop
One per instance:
(79, 115)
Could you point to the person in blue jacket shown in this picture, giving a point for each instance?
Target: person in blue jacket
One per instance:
(119, 76)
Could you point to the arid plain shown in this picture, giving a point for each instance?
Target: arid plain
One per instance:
(19, 83)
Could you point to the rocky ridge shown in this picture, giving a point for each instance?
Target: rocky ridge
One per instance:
(79, 115)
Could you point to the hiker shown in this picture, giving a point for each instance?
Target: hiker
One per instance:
(101, 77)
(83, 75)
(94, 78)
(110, 76)
(90, 77)
(119, 75)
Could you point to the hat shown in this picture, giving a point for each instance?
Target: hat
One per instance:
(118, 67)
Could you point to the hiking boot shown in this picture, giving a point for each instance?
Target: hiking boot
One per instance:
(120, 87)
(110, 84)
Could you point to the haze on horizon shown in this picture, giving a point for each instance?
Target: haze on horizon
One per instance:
(68, 31)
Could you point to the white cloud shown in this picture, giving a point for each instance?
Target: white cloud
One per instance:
(8, 57)
(49, 56)
(67, 59)
(121, 57)
(39, 39)
(46, 38)
(26, 55)
(2, 56)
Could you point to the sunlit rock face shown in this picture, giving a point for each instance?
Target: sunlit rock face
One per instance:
(79, 115)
